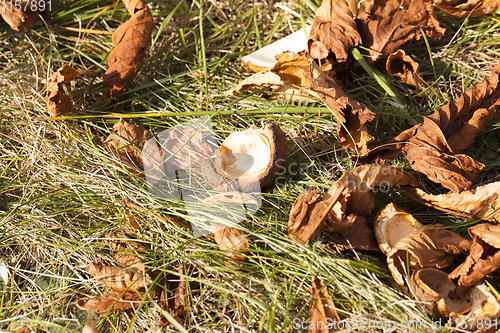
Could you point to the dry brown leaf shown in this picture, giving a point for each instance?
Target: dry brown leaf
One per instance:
(401, 65)
(230, 240)
(110, 302)
(425, 248)
(189, 147)
(23, 329)
(433, 147)
(333, 30)
(352, 195)
(307, 216)
(472, 8)
(19, 17)
(57, 102)
(385, 25)
(127, 143)
(130, 219)
(132, 40)
(483, 259)
(173, 298)
(119, 279)
(177, 303)
(428, 152)
(497, 116)
(127, 252)
(358, 236)
(301, 70)
(482, 202)
(89, 326)
(322, 315)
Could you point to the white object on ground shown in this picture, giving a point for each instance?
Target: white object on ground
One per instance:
(264, 58)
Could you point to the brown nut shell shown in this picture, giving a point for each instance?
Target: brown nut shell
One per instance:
(432, 285)
(392, 224)
(248, 160)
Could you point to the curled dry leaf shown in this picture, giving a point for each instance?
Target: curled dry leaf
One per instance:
(352, 195)
(299, 69)
(132, 40)
(57, 102)
(333, 31)
(425, 248)
(358, 236)
(323, 313)
(401, 65)
(385, 25)
(433, 147)
(19, 17)
(472, 8)
(230, 240)
(126, 143)
(482, 202)
(113, 301)
(307, 216)
(484, 258)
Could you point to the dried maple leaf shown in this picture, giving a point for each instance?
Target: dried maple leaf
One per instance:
(425, 248)
(113, 301)
(299, 69)
(57, 101)
(132, 40)
(352, 195)
(18, 13)
(127, 143)
(322, 315)
(433, 146)
(333, 30)
(483, 259)
(230, 240)
(401, 65)
(482, 202)
(472, 8)
(385, 25)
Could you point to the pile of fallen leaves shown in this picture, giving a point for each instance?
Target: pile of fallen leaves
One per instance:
(433, 148)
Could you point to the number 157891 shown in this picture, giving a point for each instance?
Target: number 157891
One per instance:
(26, 5)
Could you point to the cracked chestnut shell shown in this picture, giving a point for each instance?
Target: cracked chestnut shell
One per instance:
(391, 225)
(247, 160)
